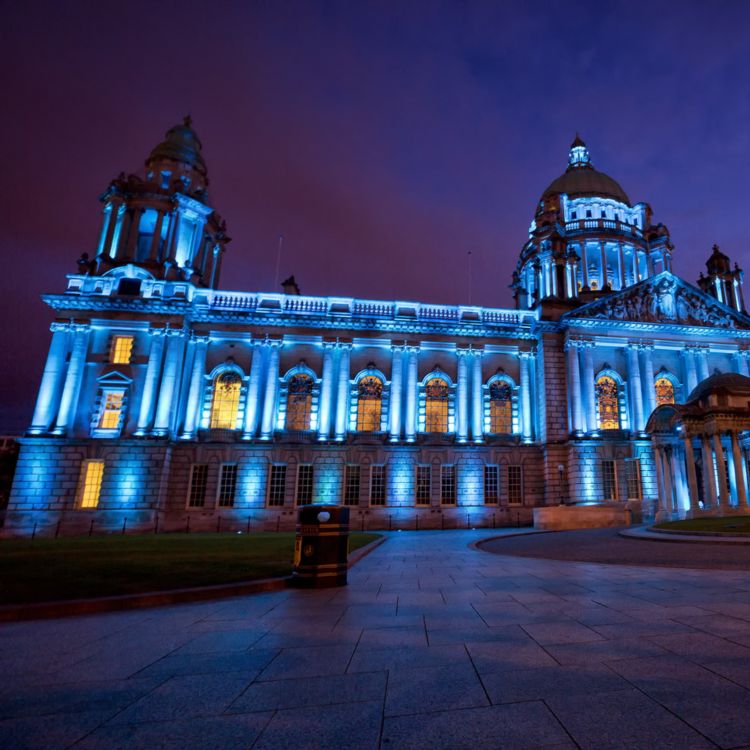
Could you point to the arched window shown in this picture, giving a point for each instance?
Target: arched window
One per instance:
(369, 403)
(437, 394)
(501, 407)
(226, 401)
(299, 402)
(607, 400)
(664, 391)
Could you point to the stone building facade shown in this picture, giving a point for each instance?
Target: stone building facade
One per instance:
(169, 401)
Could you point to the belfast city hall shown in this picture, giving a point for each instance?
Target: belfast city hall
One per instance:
(170, 401)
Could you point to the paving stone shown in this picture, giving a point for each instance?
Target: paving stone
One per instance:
(233, 661)
(308, 662)
(501, 656)
(561, 632)
(49, 732)
(369, 660)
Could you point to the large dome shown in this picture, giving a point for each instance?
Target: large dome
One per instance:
(581, 179)
(727, 381)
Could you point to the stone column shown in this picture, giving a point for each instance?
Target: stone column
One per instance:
(668, 480)
(604, 277)
(397, 365)
(156, 238)
(410, 415)
(131, 244)
(195, 393)
(585, 262)
(702, 355)
(326, 393)
(342, 398)
(52, 378)
(739, 473)
(169, 391)
(740, 362)
(648, 381)
(691, 376)
(709, 475)
(635, 266)
(66, 414)
(661, 514)
(621, 255)
(574, 388)
(462, 398)
(477, 398)
(692, 476)
(588, 375)
(252, 402)
(636, 391)
(525, 396)
(268, 418)
(150, 381)
(721, 471)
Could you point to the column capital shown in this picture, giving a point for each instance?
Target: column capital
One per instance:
(57, 326)
(157, 331)
(176, 332)
(412, 348)
(344, 345)
(646, 345)
(398, 347)
(199, 338)
(462, 352)
(527, 354)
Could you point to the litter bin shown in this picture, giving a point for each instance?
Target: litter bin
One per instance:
(321, 547)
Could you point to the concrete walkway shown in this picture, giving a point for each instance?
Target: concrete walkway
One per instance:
(433, 645)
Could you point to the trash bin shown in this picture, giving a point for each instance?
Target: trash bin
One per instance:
(321, 547)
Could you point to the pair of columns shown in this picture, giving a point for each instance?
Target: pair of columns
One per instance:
(333, 411)
(402, 408)
(581, 386)
(695, 359)
(469, 381)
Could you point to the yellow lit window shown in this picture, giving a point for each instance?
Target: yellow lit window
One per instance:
(369, 404)
(501, 408)
(226, 401)
(437, 393)
(122, 349)
(664, 391)
(90, 484)
(299, 402)
(607, 398)
(111, 410)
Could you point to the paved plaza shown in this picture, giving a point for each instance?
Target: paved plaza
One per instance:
(434, 644)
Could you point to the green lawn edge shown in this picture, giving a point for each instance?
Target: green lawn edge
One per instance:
(734, 525)
(53, 570)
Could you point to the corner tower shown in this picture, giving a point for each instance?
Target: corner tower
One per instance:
(162, 221)
(723, 282)
(587, 238)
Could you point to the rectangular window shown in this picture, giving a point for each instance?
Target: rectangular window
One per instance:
(491, 484)
(227, 485)
(197, 489)
(424, 480)
(90, 483)
(447, 485)
(121, 350)
(351, 485)
(609, 480)
(111, 410)
(633, 478)
(515, 485)
(304, 484)
(277, 485)
(377, 485)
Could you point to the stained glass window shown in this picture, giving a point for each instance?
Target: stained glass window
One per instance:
(111, 410)
(369, 403)
(501, 407)
(226, 401)
(664, 391)
(299, 402)
(437, 393)
(607, 399)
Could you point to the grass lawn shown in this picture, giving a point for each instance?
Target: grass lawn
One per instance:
(723, 525)
(55, 569)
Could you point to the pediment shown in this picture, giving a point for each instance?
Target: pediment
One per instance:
(114, 377)
(662, 299)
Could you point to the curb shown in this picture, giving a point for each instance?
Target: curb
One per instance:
(684, 537)
(76, 607)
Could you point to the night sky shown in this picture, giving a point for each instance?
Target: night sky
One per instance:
(383, 140)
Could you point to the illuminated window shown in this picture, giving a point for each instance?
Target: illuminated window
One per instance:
(197, 489)
(121, 350)
(594, 285)
(436, 405)
(277, 485)
(304, 484)
(109, 418)
(299, 402)
(227, 485)
(664, 391)
(491, 484)
(607, 399)
(351, 485)
(501, 407)
(609, 480)
(90, 483)
(377, 485)
(515, 485)
(369, 403)
(447, 485)
(226, 401)
(424, 480)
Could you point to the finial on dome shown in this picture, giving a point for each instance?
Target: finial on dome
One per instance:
(579, 154)
(187, 121)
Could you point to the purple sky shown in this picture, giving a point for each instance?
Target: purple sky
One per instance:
(383, 140)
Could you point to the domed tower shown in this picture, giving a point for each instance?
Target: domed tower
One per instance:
(162, 221)
(587, 238)
(723, 282)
